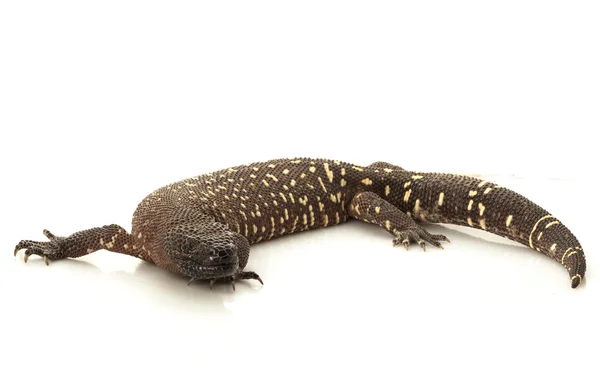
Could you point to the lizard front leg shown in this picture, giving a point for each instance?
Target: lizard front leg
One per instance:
(369, 207)
(110, 237)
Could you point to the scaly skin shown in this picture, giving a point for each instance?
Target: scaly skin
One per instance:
(202, 227)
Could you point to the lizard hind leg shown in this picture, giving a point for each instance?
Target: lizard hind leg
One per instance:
(371, 208)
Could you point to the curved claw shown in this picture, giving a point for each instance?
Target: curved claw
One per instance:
(422, 244)
(212, 283)
(191, 281)
(233, 284)
(16, 251)
(26, 257)
(46, 260)
(259, 280)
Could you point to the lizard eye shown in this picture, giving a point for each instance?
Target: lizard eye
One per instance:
(189, 246)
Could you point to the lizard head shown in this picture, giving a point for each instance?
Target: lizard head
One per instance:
(208, 255)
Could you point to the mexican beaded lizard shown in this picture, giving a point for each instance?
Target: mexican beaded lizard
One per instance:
(202, 227)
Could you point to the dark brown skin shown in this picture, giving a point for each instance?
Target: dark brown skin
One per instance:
(203, 227)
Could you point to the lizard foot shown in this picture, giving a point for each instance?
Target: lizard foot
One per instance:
(232, 279)
(418, 235)
(49, 250)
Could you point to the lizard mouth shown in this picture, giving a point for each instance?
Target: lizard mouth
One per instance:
(207, 271)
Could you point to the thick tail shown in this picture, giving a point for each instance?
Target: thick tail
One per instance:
(484, 205)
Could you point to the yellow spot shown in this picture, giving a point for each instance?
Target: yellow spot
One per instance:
(292, 198)
(255, 168)
(252, 176)
(337, 217)
(339, 196)
(254, 229)
(328, 172)
(539, 237)
(367, 181)
(470, 205)
(271, 166)
(415, 177)
(482, 183)
(472, 193)
(292, 183)
(285, 187)
(295, 161)
(482, 223)
(441, 199)
(91, 250)
(325, 220)
(358, 168)
(281, 220)
(356, 209)
(407, 184)
(333, 198)
(388, 225)
(552, 223)
(377, 210)
(407, 195)
(322, 184)
(272, 177)
(387, 190)
(469, 221)
(287, 217)
(294, 226)
(343, 182)
(321, 206)
(283, 197)
(487, 191)
(265, 183)
(102, 241)
(509, 220)
(343, 172)
(263, 229)
(275, 202)
(304, 219)
(388, 170)
(246, 230)
(303, 175)
(140, 235)
(535, 227)
(312, 169)
(562, 261)
(126, 246)
(286, 171)
(553, 247)
(417, 208)
(481, 209)
(282, 231)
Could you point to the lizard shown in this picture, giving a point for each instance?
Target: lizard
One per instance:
(202, 227)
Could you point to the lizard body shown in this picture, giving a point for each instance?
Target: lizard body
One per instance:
(202, 227)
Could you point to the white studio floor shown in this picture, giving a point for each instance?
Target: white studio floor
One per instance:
(340, 303)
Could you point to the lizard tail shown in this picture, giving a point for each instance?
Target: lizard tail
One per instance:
(479, 204)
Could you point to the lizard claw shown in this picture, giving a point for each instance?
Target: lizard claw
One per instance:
(191, 281)
(418, 235)
(212, 283)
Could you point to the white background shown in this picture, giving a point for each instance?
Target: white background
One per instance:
(100, 103)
